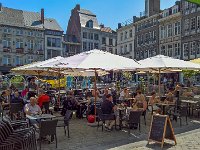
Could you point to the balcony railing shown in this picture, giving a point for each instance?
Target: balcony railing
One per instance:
(6, 49)
(40, 52)
(19, 50)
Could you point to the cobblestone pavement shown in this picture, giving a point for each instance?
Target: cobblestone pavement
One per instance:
(84, 137)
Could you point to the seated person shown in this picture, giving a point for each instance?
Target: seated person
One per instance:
(151, 105)
(24, 92)
(170, 97)
(42, 98)
(4, 98)
(16, 98)
(91, 102)
(32, 108)
(108, 107)
(124, 94)
(139, 102)
(70, 103)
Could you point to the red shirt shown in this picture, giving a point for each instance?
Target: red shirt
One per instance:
(43, 98)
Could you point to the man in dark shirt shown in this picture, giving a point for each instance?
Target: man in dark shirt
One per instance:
(108, 107)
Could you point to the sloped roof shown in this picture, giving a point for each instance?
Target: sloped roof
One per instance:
(85, 16)
(20, 18)
(106, 29)
(11, 17)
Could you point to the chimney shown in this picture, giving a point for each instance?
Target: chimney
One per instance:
(134, 19)
(119, 25)
(78, 6)
(42, 15)
(102, 25)
(0, 6)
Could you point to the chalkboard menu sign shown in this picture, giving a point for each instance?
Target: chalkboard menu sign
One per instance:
(160, 129)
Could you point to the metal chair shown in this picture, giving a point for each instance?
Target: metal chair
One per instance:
(65, 121)
(104, 117)
(15, 108)
(134, 118)
(183, 112)
(47, 127)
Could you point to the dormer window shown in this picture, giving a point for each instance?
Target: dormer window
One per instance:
(89, 24)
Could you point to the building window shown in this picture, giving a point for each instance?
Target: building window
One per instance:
(7, 30)
(170, 51)
(91, 36)
(96, 36)
(121, 50)
(96, 45)
(103, 40)
(169, 30)
(125, 36)
(177, 28)
(19, 43)
(198, 48)
(58, 42)
(193, 22)
(90, 46)
(162, 32)
(18, 60)
(85, 35)
(125, 49)
(110, 50)
(187, 25)
(6, 43)
(162, 50)
(177, 49)
(175, 9)
(130, 47)
(30, 33)
(6, 60)
(198, 22)
(110, 41)
(103, 48)
(84, 46)
(186, 5)
(131, 33)
(30, 59)
(30, 44)
(121, 37)
(89, 24)
(192, 48)
(185, 49)
(19, 32)
(40, 45)
(53, 42)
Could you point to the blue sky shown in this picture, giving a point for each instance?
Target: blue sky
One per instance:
(109, 12)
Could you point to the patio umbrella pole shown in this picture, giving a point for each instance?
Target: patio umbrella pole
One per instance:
(159, 83)
(95, 91)
(59, 88)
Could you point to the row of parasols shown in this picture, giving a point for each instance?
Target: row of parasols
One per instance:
(97, 62)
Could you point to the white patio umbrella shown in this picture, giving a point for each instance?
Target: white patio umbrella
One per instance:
(94, 60)
(161, 63)
(33, 69)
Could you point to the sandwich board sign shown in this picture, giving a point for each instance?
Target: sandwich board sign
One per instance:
(161, 129)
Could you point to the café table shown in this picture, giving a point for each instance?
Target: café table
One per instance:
(163, 105)
(40, 117)
(189, 104)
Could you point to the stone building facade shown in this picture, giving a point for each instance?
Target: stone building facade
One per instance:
(86, 34)
(146, 37)
(26, 37)
(190, 30)
(170, 32)
(125, 40)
